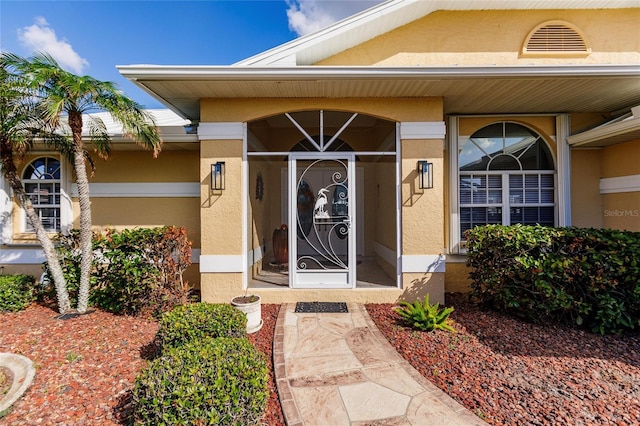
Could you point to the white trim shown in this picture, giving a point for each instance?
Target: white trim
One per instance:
(222, 130)
(141, 189)
(398, 205)
(423, 263)
(139, 73)
(222, 263)
(22, 256)
(385, 253)
(422, 130)
(563, 169)
(615, 185)
(66, 203)
(6, 209)
(35, 256)
(454, 187)
(244, 191)
(606, 131)
(256, 255)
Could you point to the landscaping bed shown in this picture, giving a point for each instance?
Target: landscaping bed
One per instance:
(504, 370)
(86, 365)
(509, 372)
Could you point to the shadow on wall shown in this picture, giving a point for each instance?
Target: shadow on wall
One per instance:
(420, 287)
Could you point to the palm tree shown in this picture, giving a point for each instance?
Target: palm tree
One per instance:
(21, 122)
(66, 95)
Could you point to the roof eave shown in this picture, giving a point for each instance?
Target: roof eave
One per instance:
(611, 134)
(221, 73)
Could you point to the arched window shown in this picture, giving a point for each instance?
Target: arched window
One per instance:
(41, 180)
(506, 176)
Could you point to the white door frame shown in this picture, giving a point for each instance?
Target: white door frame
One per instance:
(323, 278)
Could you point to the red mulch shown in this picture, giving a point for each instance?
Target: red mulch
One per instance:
(513, 373)
(263, 341)
(86, 365)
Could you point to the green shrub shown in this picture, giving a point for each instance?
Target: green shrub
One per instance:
(585, 277)
(135, 271)
(424, 316)
(191, 322)
(16, 292)
(209, 381)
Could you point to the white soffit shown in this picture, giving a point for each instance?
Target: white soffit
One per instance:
(357, 29)
(609, 134)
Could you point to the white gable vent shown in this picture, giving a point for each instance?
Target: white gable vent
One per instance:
(555, 38)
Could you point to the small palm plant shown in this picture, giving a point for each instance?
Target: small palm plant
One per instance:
(425, 316)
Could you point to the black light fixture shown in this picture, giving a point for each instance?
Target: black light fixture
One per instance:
(425, 174)
(217, 176)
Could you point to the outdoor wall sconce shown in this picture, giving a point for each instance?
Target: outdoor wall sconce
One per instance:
(425, 174)
(217, 176)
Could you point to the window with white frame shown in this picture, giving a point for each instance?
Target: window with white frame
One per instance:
(506, 175)
(41, 180)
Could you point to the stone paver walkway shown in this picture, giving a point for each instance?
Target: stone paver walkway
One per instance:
(338, 369)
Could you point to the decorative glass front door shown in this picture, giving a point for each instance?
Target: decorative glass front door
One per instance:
(323, 244)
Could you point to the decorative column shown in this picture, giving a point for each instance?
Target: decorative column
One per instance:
(423, 210)
(222, 212)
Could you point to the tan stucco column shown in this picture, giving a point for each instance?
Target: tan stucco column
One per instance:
(422, 212)
(222, 258)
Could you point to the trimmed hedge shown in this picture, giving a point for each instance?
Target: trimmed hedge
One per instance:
(220, 381)
(585, 277)
(187, 323)
(16, 292)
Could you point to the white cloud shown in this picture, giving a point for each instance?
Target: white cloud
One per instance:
(307, 16)
(40, 37)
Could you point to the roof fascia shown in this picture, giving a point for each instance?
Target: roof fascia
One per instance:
(136, 73)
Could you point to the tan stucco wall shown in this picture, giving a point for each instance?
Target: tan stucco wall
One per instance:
(133, 166)
(386, 202)
(621, 160)
(221, 211)
(394, 109)
(121, 213)
(621, 210)
(457, 277)
(422, 209)
(586, 203)
(448, 38)
(589, 207)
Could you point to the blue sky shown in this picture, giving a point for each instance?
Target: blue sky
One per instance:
(92, 37)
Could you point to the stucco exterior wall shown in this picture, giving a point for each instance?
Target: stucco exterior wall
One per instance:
(621, 210)
(586, 202)
(221, 211)
(496, 38)
(590, 207)
(394, 109)
(621, 160)
(140, 166)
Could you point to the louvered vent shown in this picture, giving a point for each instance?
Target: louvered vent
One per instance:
(555, 38)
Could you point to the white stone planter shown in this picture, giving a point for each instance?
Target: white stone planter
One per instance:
(252, 309)
(23, 373)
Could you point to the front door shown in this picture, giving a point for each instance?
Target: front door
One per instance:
(322, 187)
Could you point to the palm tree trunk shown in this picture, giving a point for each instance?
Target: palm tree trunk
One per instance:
(75, 122)
(11, 173)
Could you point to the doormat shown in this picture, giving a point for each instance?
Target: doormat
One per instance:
(321, 307)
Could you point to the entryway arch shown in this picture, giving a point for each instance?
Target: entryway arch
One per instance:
(300, 158)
